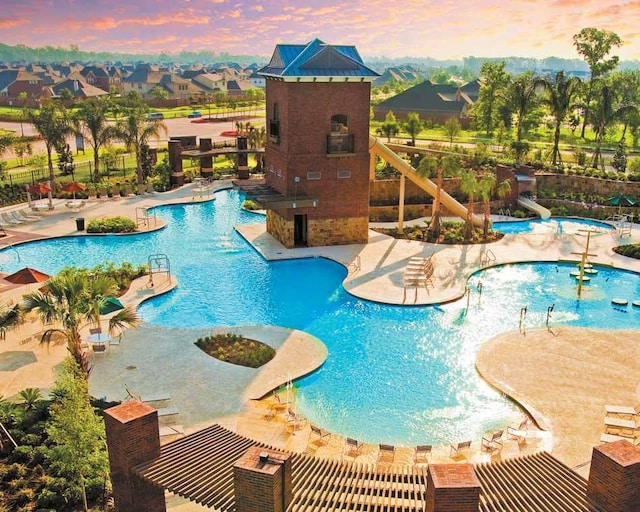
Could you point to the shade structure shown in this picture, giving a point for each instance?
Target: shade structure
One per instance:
(27, 275)
(39, 188)
(74, 186)
(110, 305)
(621, 200)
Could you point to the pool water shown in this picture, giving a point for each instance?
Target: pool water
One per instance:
(566, 225)
(402, 375)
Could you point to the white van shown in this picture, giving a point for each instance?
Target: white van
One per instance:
(155, 115)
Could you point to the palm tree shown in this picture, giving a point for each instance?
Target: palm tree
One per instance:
(91, 121)
(559, 97)
(10, 318)
(486, 188)
(413, 126)
(448, 165)
(135, 130)
(53, 126)
(522, 96)
(30, 397)
(70, 300)
(469, 185)
(389, 128)
(607, 110)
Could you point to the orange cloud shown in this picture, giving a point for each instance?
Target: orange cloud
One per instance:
(13, 22)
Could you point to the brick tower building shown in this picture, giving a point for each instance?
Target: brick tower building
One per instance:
(316, 158)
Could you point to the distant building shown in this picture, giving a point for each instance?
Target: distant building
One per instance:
(431, 101)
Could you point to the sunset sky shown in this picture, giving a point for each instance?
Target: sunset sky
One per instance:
(415, 28)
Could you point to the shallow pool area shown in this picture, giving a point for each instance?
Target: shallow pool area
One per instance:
(559, 225)
(402, 375)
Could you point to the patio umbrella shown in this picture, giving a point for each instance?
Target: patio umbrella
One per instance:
(39, 188)
(27, 275)
(621, 200)
(74, 186)
(110, 305)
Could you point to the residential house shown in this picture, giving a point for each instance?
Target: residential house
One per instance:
(431, 101)
(146, 77)
(15, 82)
(78, 88)
(103, 77)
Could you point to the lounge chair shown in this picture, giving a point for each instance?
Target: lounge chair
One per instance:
(622, 410)
(493, 441)
(612, 438)
(320, 432)
(18, 218)
(353, 446)
(387, 451)
(460, 449)
(279, 404)
(621, 427)
(422, 452)
(171, 430)
(26, 215)
(95, 330)
(9, 220)
(518, 431)
(294, 419)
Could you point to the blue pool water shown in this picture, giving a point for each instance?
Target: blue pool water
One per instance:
(567, 225)
(402, 375)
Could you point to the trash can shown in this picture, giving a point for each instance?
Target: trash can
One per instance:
(80, 223)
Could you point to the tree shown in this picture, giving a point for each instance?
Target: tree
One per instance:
(91, 121)
(10, 317)
(494, 80)
(159, 93)
(448, 165)
(413, 126)
(52, 124)
(559, 97)
(71, 299)
(77, 433)
(486, 188)
(469, 185)
(607, 110)
(389, 127)
(135, 130)
(521, 95)
(595, 45)
(619, 162)
(452, 129)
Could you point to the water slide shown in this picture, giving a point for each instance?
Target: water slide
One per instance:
(378, 148)
(534, 207)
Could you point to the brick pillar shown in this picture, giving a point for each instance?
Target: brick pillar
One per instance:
(175, 162)
(262, 481)
(206, 163)
(614, 479)
(452, 488)
(133, 438)
(243, 158)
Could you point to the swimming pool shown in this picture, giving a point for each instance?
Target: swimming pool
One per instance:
(567, 225)
(403, 375)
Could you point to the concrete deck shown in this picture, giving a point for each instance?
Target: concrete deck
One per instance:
(563, 378)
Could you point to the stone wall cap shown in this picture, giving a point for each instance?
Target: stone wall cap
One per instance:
(129, 411)
(623, 452)
(453, 475)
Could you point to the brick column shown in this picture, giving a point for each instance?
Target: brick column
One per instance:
(243, 158)
(133, 438)
(452, 488)
(614, 479)
(262, 481)
(175, 162)
(206, 163)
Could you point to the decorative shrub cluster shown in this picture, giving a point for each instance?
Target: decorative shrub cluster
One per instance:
(111, 225)
(630, 250)
(236, 349)
(450, 233)
(251, 205)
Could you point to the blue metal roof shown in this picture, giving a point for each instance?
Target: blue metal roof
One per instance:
(316, 59)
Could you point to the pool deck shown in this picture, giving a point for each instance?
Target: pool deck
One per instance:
(562, 376)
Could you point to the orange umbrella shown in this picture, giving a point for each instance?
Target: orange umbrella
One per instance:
(27, 275)
(38, 188)
(74, 186)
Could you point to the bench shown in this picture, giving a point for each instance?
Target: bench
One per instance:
(155, 398)
(171, 430)
(167, 411)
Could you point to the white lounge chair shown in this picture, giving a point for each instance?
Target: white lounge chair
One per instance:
(422, 452)
(9, 220)
(387, 452)
(353, 446)
(321, 433)
(622, 410)
(460, 449)
(493, 441)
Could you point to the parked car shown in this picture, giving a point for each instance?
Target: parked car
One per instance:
(195, 114)
(155, 115)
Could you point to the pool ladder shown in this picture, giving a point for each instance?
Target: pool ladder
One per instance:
(523, 315)
(549, 310)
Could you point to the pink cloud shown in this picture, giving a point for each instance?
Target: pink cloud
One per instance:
(13, 22)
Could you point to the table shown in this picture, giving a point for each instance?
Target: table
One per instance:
(74, 204)
(41, 206)
(99, 341)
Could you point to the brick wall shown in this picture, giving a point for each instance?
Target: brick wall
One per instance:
(614, 478)
(452, 488)
(262, 481)
(133, 438)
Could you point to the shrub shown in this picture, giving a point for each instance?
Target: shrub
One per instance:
(251, 205)
(236, 349)
(111, 225)
(630, 250)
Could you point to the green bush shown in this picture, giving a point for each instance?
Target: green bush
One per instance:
(111, 225)
(236, 349)
(251, 205)
(630, 250)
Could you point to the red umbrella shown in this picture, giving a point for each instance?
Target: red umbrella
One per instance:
(74, 186)
(38, 188)
(27, 275)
